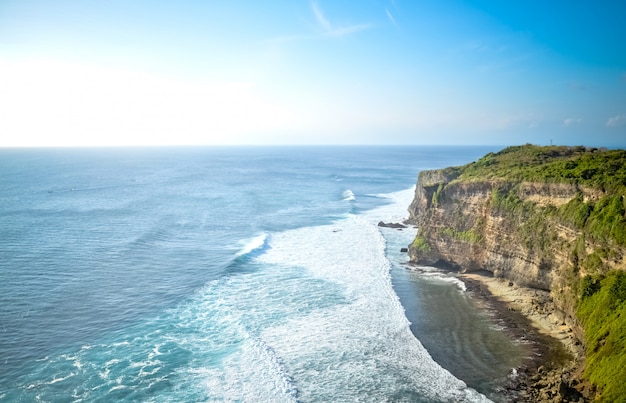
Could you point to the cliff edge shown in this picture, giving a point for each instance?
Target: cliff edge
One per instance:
(548, 218)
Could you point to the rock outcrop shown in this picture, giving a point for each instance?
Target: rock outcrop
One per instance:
(503, 227)
(395, 225)
(508, 215)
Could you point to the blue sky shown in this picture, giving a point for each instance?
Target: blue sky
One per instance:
(312, 72)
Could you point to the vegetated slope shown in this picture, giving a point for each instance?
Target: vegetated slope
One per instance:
(552, 218)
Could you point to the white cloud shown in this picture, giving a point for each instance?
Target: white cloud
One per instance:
(616, 121)
(572, 122)
(321, 18)
(334, 30)
(390, 16)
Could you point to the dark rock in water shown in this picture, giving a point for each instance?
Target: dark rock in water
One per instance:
(404, 249)
(391, 225)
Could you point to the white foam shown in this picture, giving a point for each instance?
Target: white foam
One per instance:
(253, 373)
(397, 210)
(319, 322)
(117, 387)
(348, 195)
(364, 346)
(56, 379)
(252, 244)
(441, 276)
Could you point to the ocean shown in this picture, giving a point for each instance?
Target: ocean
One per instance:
(242, 274)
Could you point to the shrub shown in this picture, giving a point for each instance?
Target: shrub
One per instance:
(467, 236)
(576, 211)
(602, 310)
(420, 244)
(606, 220)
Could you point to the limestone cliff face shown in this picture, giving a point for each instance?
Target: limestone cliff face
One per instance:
(478, 225)
(551, 218)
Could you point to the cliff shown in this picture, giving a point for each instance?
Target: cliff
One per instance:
(550, 218)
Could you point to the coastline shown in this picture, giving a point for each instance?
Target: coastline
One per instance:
(533, 304)
(553, 369)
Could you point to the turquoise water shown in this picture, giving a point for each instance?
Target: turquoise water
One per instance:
(226, 274)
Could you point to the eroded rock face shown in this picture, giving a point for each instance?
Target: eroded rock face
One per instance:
(548, 218)
(470, 225)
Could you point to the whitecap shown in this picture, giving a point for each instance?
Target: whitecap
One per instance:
(252, 244)
(396, 210)
(362, 346)
(60, 379)
(348, 195)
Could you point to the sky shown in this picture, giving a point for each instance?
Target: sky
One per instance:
(244, 72)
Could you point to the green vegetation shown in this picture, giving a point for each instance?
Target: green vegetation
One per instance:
(592, 167)
(606, 220)
(438, 195)
(467, 236)
(602, 220)
(421, 244)
(576, 211)
(507, 200)
(602, 310)
(452, 172)
(598, 215)
(533, 222)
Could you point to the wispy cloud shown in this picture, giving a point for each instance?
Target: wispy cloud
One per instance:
(335, 30)
(390, 16)
(616, 121)
(321, 18)
(569, 122)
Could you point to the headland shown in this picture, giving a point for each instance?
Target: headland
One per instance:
(548, 227)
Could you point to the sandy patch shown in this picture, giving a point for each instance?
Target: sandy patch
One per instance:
(533, 304)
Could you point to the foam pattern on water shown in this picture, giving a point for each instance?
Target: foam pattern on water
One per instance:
(348, 195)
(362, 349)
(208, 349)
(395, 210)
(313, 317)
(253, 244)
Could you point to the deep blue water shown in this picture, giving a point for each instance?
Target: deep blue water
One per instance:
(225, 274)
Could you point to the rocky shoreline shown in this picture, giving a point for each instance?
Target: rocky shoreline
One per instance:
(553, 370)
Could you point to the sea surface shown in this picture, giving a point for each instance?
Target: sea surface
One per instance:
(247, 274)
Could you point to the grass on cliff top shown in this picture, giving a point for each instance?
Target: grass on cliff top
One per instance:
(592, 167)
(602, 220)
(602, 310)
